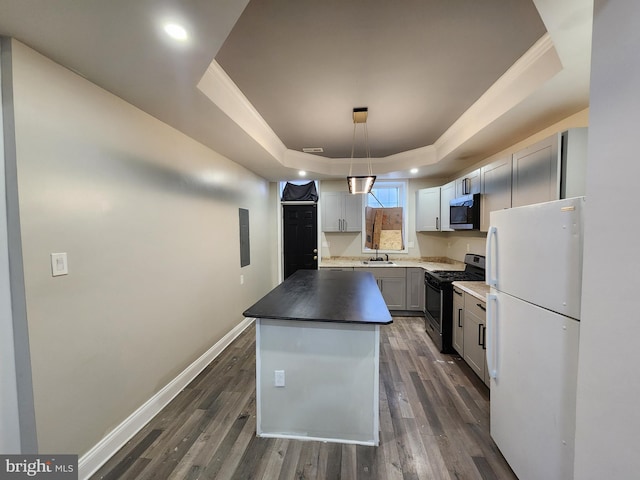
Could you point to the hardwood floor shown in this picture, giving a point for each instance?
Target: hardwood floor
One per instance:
(434, 424)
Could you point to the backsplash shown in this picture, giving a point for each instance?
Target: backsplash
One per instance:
(427, 244)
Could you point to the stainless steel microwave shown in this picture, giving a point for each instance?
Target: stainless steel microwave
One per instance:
(464, 212)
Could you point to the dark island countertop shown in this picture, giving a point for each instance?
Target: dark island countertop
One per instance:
(325, 296)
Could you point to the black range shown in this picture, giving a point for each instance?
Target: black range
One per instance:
(439, 298)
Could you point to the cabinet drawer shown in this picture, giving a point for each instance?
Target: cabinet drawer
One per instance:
(475, 306)
(384, 272)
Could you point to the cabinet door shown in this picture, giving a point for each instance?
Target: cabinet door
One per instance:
(392, 282)
(468, 184)
(428, 210)
(332, 206)
(415, 289)
(352, 217)
(474, 334)
(496, 187)
(458, 321)
(536, 173)
(447, 193)
(394, 292)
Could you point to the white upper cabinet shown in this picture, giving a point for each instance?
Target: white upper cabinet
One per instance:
(428, 210)
(468, 184)
(341, 212)
(447, 193)
(496, 188)
(536, 173)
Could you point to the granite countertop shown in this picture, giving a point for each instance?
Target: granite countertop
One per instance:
(427, 263)
(477, 289)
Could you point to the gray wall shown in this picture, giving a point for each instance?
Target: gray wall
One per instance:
(149, 220)
(608, 418)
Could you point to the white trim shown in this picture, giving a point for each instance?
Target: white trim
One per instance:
(373, 443)
(91, 461)
(225, 94)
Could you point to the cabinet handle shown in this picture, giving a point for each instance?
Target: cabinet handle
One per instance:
(481, 335)
(437, 223)
(344, 225)
(484, 335)
(466, 186)
(457, 292)
(459, 315)
(482, 307)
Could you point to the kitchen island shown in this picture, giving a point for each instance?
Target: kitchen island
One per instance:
(317, 357)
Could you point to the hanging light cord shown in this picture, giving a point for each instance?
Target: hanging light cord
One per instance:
(367, 149)
(353, 147)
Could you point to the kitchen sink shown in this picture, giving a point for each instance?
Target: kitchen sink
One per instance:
(378, 262)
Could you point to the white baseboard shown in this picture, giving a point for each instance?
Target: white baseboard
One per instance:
(91, 461)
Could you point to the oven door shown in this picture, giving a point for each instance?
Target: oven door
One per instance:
(433, 306)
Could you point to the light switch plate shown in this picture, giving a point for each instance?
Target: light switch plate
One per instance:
(279, 378)
(59, 264)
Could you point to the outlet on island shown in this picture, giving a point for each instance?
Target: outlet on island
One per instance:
(279, 378)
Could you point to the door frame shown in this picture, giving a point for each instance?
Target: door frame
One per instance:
(280, 216)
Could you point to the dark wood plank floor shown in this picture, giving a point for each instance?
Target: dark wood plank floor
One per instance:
(434, 424)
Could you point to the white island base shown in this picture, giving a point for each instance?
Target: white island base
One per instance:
(331, 380)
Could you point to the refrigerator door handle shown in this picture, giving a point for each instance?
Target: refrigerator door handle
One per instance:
(492, 335)
(491, 234)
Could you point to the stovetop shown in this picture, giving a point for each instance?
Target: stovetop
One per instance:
(456, 276)
(474, 271)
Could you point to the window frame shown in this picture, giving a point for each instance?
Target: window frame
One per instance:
(404, 198)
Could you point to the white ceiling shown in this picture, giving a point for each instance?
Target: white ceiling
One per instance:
(446, 82)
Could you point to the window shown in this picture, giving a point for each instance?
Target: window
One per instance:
(389, 194)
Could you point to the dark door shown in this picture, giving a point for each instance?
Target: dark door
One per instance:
(300, 238)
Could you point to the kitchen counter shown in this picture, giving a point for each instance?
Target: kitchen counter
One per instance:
(324, 296)
(427, 263)
(477, 289)
(318, 357)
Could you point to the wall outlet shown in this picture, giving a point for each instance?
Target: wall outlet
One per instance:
(468, 248)
(241, 279)
(279, 378)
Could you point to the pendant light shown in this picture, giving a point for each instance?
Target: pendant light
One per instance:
(360, 183)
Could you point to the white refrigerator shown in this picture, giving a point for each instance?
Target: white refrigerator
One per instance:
(534, 269)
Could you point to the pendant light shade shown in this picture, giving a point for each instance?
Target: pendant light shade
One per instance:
(360, 183)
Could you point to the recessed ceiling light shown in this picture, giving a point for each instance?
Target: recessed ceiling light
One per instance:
(313, 150)
(302, 173)
(176, 31)
(414, 170)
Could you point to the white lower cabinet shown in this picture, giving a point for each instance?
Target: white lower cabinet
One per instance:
(470, 332)
(458, 321)
(415, 289)
(392, 282)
